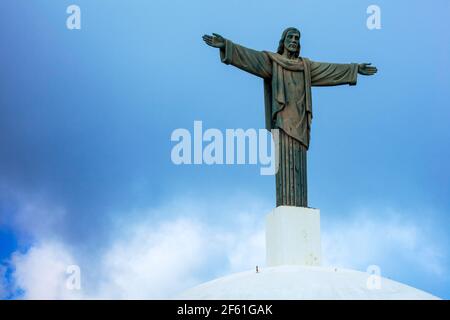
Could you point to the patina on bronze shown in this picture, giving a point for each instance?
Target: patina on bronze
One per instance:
(288, 79)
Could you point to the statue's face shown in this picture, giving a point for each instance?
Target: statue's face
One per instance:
(292, 41)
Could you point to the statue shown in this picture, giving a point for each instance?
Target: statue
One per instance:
(288, 79)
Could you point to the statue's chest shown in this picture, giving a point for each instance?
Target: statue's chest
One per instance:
(294, 84)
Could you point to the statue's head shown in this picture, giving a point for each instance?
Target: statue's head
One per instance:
(290, 40)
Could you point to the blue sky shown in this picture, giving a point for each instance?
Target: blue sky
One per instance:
(86, 118)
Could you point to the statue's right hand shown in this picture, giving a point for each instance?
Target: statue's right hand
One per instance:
(216, 40)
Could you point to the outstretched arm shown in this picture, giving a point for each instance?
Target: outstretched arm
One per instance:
(252, 61)
(335, 74)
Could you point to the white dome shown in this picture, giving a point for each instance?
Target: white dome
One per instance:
(301, 282)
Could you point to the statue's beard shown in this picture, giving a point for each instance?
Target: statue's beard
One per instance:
(293, 49)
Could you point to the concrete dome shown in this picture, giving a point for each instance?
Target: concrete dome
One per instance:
(301, 282)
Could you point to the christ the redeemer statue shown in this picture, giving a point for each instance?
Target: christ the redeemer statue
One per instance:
(288, 79)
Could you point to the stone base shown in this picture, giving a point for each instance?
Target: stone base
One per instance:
(293, 237)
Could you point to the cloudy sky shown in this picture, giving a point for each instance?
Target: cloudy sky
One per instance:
(86, 117)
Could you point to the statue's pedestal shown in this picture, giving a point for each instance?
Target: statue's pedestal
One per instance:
(293, 237)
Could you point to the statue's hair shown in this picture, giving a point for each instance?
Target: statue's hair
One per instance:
(283, 37)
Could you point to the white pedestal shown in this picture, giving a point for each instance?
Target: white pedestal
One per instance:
(293, 237)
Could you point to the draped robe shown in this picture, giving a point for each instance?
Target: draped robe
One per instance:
(288, 107)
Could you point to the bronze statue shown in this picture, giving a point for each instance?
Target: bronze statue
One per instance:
(288, 79)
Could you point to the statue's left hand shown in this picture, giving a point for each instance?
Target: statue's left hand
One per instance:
(366, 69)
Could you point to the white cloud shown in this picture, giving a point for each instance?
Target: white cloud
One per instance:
(153, 262)
(146, 260)
(381, 236)
(41, 272)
